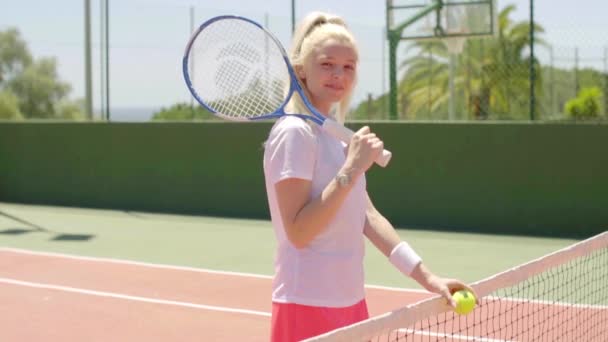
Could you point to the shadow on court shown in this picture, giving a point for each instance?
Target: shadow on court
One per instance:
(34, 228)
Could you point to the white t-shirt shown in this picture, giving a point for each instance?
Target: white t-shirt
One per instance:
(329, 271)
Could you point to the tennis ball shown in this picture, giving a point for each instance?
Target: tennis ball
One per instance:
(465, 302)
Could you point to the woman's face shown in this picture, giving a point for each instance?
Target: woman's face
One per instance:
(329, 73)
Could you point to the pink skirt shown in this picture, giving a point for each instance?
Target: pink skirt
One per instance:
(295, 322)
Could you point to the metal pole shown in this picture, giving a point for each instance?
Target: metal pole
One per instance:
(102, 63)
(267, 77)
(468, 85)
(576, 82)
(532, 69)
(452, 99)
(429, 100)
(392, 55)
(87, 60)
(383, 72)
(605, 81)
(394, 36)
(389, 24)
(193, 59)
(107, 59)
(293, 16)
(552, 82)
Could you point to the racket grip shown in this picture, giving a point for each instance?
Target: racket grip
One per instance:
(384, 158)
(345, 134)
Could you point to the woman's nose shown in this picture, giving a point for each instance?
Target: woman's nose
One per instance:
(337, 72)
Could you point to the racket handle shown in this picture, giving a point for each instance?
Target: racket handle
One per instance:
(345, 134)
(384, 158)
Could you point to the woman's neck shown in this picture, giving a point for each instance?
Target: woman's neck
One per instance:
(323, 107)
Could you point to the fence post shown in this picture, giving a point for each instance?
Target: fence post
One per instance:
(532, 69)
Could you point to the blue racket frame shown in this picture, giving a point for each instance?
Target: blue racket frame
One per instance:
(335, 128)
(294, 84)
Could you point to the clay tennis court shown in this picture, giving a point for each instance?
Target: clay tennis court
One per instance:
(67, 298)
(59, 297)
(92, 290)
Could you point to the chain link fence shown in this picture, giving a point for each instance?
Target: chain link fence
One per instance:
(492, 78)
(489, 80)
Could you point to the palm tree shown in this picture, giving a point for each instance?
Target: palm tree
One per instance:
(492, 75)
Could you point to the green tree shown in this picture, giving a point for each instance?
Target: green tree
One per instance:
(35, 83)
(371, 109)
(39, 89)
(9, 106)
(493, 74)
(562, 85)
(70, 110)
(491, 77)
(14, 55)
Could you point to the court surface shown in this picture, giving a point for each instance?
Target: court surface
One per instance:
(69, 274)
(60, 297)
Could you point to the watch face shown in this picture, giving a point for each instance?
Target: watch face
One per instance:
(343, 179)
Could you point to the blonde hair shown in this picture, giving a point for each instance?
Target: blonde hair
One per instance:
(313, 30)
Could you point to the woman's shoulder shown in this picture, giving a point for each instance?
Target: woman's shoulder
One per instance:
(291, 131)
(291, 123)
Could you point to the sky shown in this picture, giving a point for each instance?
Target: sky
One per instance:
(148, 37)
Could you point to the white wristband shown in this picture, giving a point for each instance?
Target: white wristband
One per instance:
(404, 258)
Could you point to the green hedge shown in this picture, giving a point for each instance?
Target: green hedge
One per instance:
(533, 179)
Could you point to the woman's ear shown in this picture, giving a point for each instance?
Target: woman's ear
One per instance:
(300, 71)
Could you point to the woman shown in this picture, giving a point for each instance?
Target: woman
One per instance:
(319, 205)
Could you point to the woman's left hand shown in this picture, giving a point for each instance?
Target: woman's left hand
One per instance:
(446, 287)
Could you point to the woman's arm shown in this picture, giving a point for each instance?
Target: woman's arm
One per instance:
(383, 235)
(303, 218)
(379, 230)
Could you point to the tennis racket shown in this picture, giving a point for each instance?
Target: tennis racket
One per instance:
(239, 71)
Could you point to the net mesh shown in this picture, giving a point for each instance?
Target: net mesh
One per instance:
(560, 297)
(238, 70)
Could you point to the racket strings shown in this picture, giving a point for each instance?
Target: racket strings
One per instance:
(238, 70)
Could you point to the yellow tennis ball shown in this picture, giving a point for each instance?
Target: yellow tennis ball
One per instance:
(465, 302)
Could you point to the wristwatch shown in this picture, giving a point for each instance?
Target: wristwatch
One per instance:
(343, 179)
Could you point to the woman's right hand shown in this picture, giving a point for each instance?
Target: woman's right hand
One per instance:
(363, 150)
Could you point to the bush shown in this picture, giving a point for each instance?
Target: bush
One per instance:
(586, 105)
(9, 106)
(183, 112)
(70, 110)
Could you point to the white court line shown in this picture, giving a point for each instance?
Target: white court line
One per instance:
(260, 276)
(131, 298)
(197, 306)
(133, 263)
(451, 336)
(179, 268)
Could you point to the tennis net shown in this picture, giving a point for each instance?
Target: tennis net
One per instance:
(562, 296)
